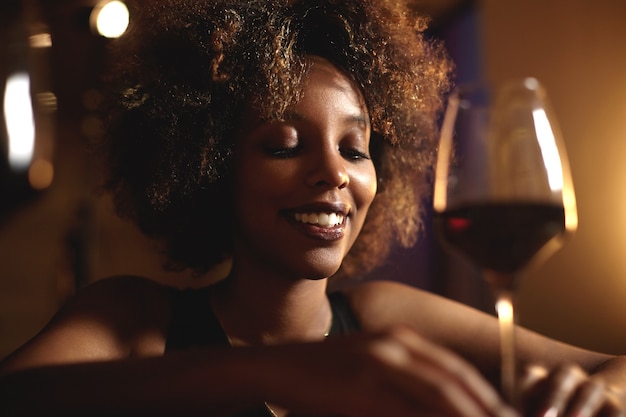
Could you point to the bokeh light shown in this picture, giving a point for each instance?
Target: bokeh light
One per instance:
(110, 19)
(19, 120)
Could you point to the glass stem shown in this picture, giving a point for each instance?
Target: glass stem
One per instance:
(506, 318)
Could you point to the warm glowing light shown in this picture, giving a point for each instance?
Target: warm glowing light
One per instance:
(110, 19)
(40, 40)
(19, 119)
(440, 197)
(547, 143)
(41, 174)
(504, 307)
(48, 101)
(571, 212)
(531, 83)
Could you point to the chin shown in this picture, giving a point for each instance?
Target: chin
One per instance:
(315, 270)
(315, 274)
(316, 277)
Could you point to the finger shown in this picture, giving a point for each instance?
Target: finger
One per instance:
(532, 376)
(421, 383)
(436, 378)
(467, 377)
(588, 399)
(615, 406)
(562, 385)
(594, 398)
(532, 386)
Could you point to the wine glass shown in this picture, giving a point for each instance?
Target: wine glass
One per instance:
(503, 195)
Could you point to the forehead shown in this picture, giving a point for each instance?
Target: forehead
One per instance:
(320, 67)
(324, 76)
(322, 85)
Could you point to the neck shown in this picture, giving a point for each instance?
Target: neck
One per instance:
(264, 309)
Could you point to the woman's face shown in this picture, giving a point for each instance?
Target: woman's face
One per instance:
(303, 185)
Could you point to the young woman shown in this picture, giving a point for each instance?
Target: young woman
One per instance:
(288, 137)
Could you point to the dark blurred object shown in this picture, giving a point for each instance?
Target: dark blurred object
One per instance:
(27, 113)
(441, 11)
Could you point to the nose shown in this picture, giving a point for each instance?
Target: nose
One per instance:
(329, 170)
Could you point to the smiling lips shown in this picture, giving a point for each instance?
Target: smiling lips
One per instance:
(323, 225)
(320, 219)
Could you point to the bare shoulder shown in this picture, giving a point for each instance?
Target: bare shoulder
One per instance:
(125, 301)
(118, 296)
(470, 332)
(373, 296)
(113, 318)
(380, 304)
(126, 307)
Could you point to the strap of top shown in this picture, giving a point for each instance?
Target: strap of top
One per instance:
(344, 320)
(193, 322)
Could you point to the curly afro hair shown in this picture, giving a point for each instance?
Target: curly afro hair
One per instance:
(182, 76)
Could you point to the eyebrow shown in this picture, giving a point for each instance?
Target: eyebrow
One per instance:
(358, 119)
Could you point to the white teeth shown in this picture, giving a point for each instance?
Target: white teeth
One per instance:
(320, 219)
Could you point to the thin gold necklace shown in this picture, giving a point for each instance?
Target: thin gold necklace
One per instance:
(230, 343)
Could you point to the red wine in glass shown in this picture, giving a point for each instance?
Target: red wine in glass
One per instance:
(501, 237)
(503, 196)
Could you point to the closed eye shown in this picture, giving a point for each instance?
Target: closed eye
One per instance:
(352, 154)
(282, 152)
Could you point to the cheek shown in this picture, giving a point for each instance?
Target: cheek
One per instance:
(261, 183)
(365, 184)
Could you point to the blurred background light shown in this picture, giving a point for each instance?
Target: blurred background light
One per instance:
(40, 40)
(19, 120)
(110, 19)
(40, 174)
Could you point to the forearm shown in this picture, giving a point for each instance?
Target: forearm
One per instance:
(219, 382)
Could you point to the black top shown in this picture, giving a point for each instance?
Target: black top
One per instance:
(194, 325)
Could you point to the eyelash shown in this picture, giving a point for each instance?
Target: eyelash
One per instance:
(353, 154)
(286, 153)
(282, 153)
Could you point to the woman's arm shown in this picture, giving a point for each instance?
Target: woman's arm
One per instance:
(210, 382)
(111, 319)
(102, 356)
(569, 375)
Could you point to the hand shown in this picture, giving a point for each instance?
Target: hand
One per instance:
(569, 391)
(394, 373)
